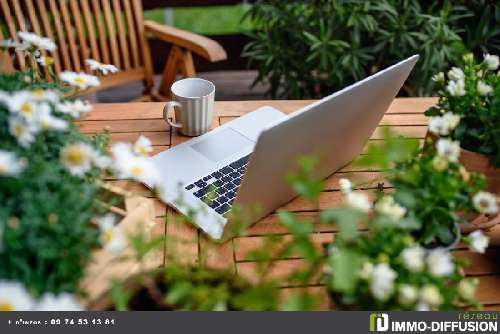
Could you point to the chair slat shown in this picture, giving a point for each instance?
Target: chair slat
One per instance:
(111, 34)
(61, 41)
(148, 66)
(82, 41)
(35, 25)
(11, 26)
(101, 31)
(47, 28)
(70, 34)
(90, 29)
(132, 33)
(121, 34)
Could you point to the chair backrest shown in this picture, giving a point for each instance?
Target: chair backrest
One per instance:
(110, 31)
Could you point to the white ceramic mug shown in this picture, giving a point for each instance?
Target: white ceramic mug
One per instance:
(193, 102)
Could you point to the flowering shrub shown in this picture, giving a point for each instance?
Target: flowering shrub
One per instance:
(50, 174)
(468, 110)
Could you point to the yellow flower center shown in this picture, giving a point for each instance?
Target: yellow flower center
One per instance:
(80, 80)
(107, 235)
(137, 171)
(26, 108)
(38, 93)
(75, 156)
(18, 130)
(3, 169)
(49, 60)
(6, 306)
(143, 150)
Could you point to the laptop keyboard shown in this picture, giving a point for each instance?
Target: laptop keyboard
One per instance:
(218, 189)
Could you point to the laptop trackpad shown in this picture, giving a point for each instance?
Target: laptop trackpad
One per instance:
(222, 144)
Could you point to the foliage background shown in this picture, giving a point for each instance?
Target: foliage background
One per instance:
(307, 49)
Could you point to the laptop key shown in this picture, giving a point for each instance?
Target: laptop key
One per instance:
(200, 193)
(234, 175)
(242, 170)
(217, 175)
(200, 183)
(240, 162)
(229, 186)
(226, 170)
(226, 179)
(231, 194)
(189, 187)
(214, 204)
(237, 181)
(218, 183)
(208, 177)
(223, 209)
(222, 199)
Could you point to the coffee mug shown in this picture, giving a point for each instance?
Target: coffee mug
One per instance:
(193, 103)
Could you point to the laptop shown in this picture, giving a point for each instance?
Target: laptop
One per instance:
(244, 163)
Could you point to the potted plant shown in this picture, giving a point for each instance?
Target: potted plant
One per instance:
(468, 111)
(51, 180)
(386, 268)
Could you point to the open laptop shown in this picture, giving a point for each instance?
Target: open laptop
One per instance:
(244, 162)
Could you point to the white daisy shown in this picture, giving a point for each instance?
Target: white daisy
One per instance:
(81, 80)
(388, 207)
(23, 131)
(47, 121)
(450, 150)
(106, 221)
(45, 95)
(22, 104)
(456, 74)
(62, 302)
(143, 146)
(440, 263)
(358, 201)
(14, 297)
(413, 258)
(37, 42)
(456, 88)
(408, 294)
(103, 68)
(112, 239)
(382, 281)
(345, 185)
(483, 88)
(485, 202)
(438, 126)
(141, 169)
(430, 295)
(451, 120)
(478, 242)
(45, 60)
(74, 108)
(467, 288)
(10, 165)
(77, 158)
(491, 61)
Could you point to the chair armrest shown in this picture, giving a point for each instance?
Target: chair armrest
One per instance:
(205, 47)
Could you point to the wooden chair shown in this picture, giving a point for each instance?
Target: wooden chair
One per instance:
(110, 31)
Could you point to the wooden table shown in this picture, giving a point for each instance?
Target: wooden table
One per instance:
(126, 121)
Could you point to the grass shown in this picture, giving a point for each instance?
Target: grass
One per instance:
(215, 20)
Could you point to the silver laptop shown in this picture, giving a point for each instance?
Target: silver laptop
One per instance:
(244, 163)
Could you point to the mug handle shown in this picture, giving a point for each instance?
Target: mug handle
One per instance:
(170, 106)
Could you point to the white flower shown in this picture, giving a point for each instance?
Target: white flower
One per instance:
(491, 61)
(8, 43)
(74, 108)
(450, 150)
(456, 88)
(387, 206)
(382, 282)
(143, 146)
(358, 201)
(104, 68)
(483, 88)
(407, 294)
(366, 270)
(438, 77)
(21, 103)
(106, 221)
(430, 295)
(439, 163)
(413, 258)
(81, 80)
(422, 307)
(44, 95)
(485, 202)
(62, 302)
(10, 165)
(467, 288)
(112, 239)
(47, 121)
(14, 297)
(345, 185)
(130, 166)
(456, 74)
(440, 263)
(478, 242)
(23, 131)
(38, 42)
(451, 120)
(77, 158)
(438, 126)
